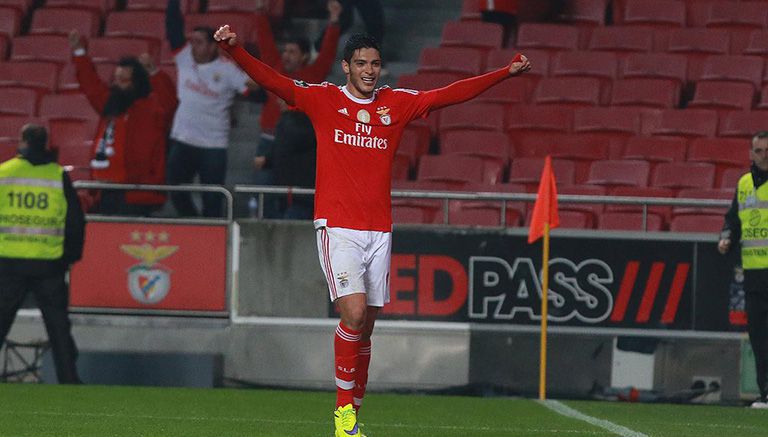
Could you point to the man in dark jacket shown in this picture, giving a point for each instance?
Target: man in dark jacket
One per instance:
(746, 222)
(42, 232)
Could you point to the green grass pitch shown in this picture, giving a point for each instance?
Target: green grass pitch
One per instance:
(49, 410)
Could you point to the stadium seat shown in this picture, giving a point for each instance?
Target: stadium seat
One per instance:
(688, 123)
(678, 175)
(571, 219)
(757, 44)
(71, 133)
(592, 209)
(742, 124)
(655, 149)
(3, 48)
(98, 6)
(651, 93)
(7, 151)
(507, 92)
(487, 213)
(655, 66)
(698, 45)
(658, 14)
(697, 223)
(21, 6)
(550, 37)
(614, 125)
(723, 96)
(471, 10)
(703, 193)
(599, 65)
(111, 49)
(487, 145)
(730, 178)
(747, 69)
(722, 152)
(477, 116)
(432, 208)
(524, 121)
(154, 5)
(737, 15)
(39, 75)
(615, 173)
(401, 167)
(460, 60)
(455, 170)
(427, 81)
(414, 143)
(621, 40)
(10, 127)
(662, 211)
(10, 21)
(568, 91)
(527, 172)
(763, 103)
(585, 12)
(629, 221)
(18, 101)
(472, 34)
(698, 12)
(60, 21)
(67, 106)
(48, 48)
(581, 149)
(411, 214)
(139, 24)
(231, 5)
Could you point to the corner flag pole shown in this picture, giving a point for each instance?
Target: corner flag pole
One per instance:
(543, 340)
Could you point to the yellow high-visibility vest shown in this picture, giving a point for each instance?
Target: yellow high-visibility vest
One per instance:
(33, 210)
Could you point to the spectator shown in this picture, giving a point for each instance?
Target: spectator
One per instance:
(743, 224)
(294, 63)
(294, 162)
(130, 144)
(372, 13)
(35, 257)
(206, 86)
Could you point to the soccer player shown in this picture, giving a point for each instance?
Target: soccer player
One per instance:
(358, 128)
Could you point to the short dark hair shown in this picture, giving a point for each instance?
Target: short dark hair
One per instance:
(359, 41)
(302, 42)
(759, 135)
(35, 137)
(141, 83)
(207, 31)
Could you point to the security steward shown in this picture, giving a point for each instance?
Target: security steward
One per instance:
(42, 231)
(747, 222)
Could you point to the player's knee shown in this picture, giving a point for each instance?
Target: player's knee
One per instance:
(355, 319)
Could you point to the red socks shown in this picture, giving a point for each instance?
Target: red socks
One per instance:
(361, 375)
(346, 346)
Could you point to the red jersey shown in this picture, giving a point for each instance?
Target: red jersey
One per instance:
(357, 138)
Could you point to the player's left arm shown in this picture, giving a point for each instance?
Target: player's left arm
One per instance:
(467, 89)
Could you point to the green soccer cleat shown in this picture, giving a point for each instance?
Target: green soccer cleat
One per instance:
(345, 419)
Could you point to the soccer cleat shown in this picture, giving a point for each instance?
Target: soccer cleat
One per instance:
(759, 404)
(345, 419)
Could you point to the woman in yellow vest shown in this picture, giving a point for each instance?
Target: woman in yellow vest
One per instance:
(42, 229)
(746, 222)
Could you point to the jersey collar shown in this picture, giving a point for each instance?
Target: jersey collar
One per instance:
(356, 99)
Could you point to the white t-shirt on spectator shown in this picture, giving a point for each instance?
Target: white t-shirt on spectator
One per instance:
(205, 93)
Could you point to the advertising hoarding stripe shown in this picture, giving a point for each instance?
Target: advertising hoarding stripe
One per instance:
(670, 309)
(625, 291)
(651, 289)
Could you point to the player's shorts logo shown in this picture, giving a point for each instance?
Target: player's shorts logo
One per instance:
(343, 279)
(364, 116)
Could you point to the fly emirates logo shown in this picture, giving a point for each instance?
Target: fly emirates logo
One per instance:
(361, 138)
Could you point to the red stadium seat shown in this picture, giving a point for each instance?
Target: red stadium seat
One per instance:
(455, 170)
(459, 60)
(140, 24)
(477, 116)
(33, 74)
(232, 5)
(98, 6)
(527, 171)
(67, 106)
(550, 37)
(723, 96)
(652, 93)
(742, 124)
(660, 210)
(660, 14)
(698, 12)
(487, 213)
(472, 34)
(656, 149)
(619, 173)
(592, 209)
(10, 21)
(703, 193)
(49, 48)
(525, 121)
(582, 149)
(3, 48)
(763, 103)
(21, 6)
(111, 49)
(655, 66)
(155, 5)
(623, 121)
(414, 143)
(757, 43)
(697, 223)
(507, 92)
(599, 65)
(401, 167)
(487, 145)
(688, 123)
(70, 133)
(472, 10)
(722, 152)
(60, 21)
(698, 44)
(585, 12)
(622, 40)
(678, 175)
(427, 81)
(741, 15)
(629, 221)
(431, 207)
(731, 178)
(570, 219)
(568, 91)
(18, 101)
(411, 214)
(748, 69)
(10, 127)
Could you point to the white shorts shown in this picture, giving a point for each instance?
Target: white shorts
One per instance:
(355, 262)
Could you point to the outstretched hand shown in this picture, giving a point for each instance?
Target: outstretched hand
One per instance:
(519, 65)
(225, 34)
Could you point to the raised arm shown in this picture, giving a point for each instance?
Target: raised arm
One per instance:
(265, 41)
(466, 89)
(174, 25)
(260, 72)
(327, 54)
(90, 83)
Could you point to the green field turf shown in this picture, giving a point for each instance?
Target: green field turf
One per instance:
(49, 410)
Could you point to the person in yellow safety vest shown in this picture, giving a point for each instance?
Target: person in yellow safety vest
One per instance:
(42, 231)
(746, 222)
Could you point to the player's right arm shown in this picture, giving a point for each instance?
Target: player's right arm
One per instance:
(260, 72)
(174, 25)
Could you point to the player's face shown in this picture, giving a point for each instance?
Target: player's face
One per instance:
(203, 50)
(759, 153)
(363, 72)
(293, 58)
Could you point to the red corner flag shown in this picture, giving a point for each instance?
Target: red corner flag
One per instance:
(545, 208)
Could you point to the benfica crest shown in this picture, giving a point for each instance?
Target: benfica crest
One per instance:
(148, 281)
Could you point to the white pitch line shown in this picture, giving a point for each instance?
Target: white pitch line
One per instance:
(567, 411)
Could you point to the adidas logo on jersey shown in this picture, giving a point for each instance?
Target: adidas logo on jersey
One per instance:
(343, 111)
